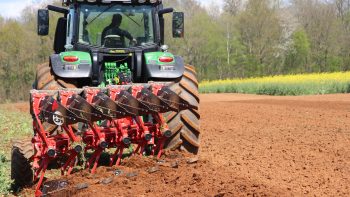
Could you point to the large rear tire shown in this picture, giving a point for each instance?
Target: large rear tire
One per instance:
(46, 80)
(185, 125)
(21, 170)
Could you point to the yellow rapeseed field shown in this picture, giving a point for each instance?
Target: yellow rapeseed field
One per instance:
(299, 84)
(299, 78)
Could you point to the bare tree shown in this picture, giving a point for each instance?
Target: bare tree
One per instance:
(319, 19)
(343, 7)
(261, 32)
(232, 6)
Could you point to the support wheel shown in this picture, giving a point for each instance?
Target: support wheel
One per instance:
(21, 170)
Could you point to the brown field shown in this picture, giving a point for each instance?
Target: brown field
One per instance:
(251, 146)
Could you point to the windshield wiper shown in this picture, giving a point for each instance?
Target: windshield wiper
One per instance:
(108, 8)
(132, 20)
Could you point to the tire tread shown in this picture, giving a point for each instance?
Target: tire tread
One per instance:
(188, 136)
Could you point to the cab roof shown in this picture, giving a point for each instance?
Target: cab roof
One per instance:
(139, 2)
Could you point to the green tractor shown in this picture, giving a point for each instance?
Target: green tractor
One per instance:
(99, 43)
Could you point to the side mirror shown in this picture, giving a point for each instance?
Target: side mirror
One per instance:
(43, 22)
(178, 25)
(165, 11)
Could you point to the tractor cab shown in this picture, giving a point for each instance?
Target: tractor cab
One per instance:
(116, 26)
(98, 33)
(85, 22)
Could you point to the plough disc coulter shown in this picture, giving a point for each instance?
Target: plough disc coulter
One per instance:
(98, 119)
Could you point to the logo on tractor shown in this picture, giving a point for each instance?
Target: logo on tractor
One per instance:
(58, 118)
(117, 51)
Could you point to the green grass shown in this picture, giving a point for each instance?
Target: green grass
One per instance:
(306, 84)
(5, 181)
(13, 125)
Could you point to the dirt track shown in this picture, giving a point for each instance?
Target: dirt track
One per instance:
(251, 145)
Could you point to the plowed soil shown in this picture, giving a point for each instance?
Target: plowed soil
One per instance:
(251, 146)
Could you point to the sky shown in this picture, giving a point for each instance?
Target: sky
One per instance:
(13, 8)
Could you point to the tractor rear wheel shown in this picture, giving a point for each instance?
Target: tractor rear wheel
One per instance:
(46, 80)
(21, 170)
(185, 125)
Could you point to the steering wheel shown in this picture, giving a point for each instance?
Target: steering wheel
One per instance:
(113, 41)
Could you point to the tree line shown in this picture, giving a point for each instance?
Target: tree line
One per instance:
(20, 51)
(266, 37)
(245, 38)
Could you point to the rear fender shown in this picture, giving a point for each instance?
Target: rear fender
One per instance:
(82, 68)
(159, 70)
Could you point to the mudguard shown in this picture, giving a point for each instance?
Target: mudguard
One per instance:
(172, 70)
(78, 69)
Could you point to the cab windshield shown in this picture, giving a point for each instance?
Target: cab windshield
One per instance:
(115, 25)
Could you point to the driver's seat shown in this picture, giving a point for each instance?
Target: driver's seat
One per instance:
(113, 41)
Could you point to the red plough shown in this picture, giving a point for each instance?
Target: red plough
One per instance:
(98, 119)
